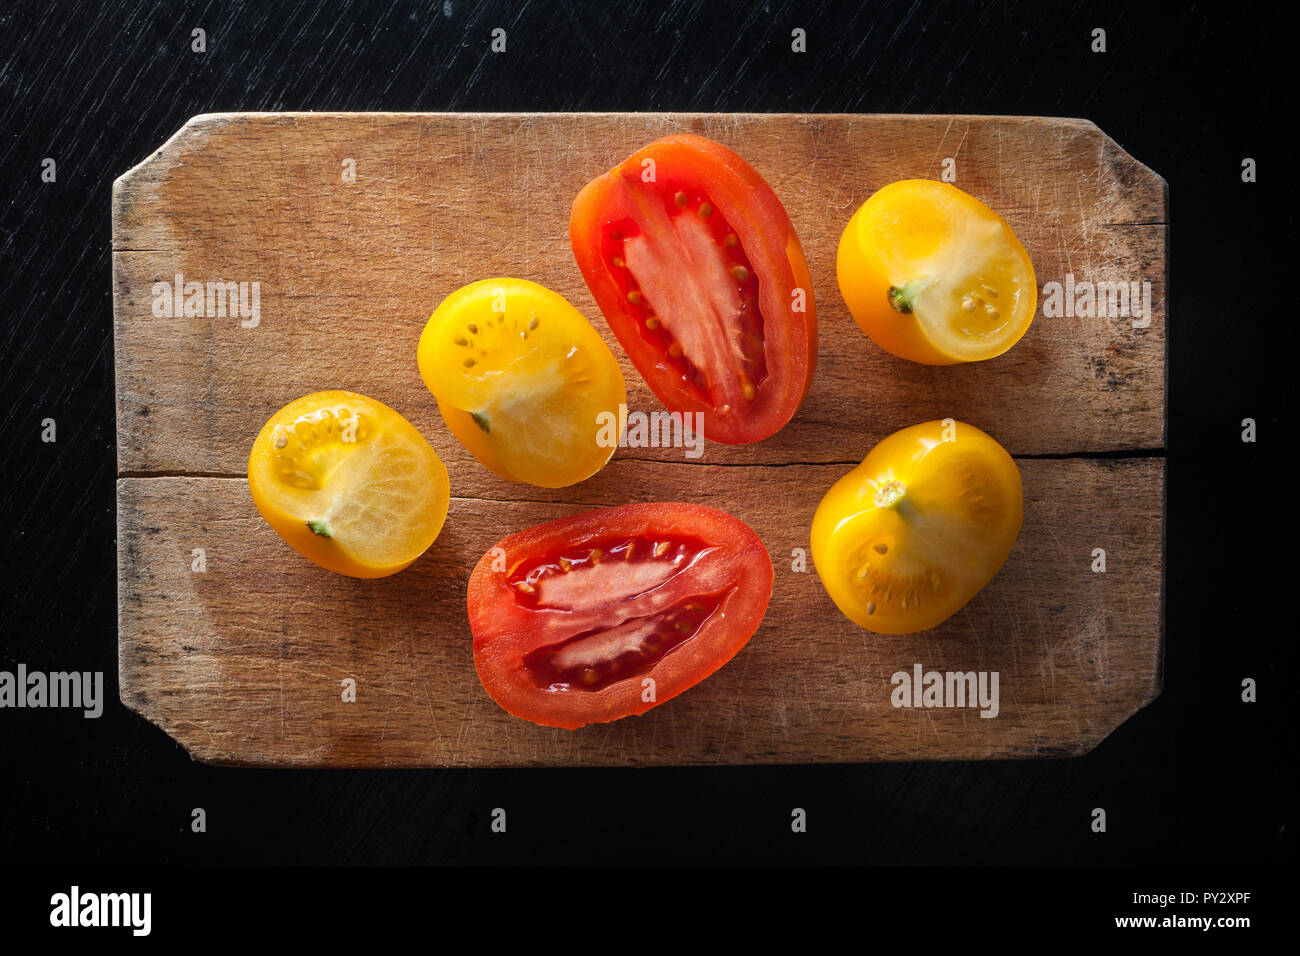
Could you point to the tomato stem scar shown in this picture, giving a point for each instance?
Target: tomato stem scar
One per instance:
(889, 494)
(481, 421)
(903, 297)
(320, 528)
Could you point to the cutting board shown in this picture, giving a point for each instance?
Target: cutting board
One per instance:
(355, 226)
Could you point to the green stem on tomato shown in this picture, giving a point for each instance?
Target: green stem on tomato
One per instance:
(903, 297)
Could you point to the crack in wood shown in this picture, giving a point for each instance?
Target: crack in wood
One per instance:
(1119, 454)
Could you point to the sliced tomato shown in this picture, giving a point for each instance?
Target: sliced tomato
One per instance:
(694, 262)
(523, 380)
(605, 614)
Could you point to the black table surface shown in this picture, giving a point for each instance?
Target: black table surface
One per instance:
(1196, 778)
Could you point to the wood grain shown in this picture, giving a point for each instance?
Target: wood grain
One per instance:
(349, 273)
(242, 663)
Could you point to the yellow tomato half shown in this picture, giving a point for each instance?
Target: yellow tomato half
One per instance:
(348, 483)
(906, 538)
(932, 274)
(524, 381)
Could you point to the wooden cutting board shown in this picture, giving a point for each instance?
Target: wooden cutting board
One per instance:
(355, 226)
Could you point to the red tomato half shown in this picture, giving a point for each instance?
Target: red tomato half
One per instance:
(588, 619)
(693, 260)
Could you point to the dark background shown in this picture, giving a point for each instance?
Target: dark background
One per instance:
(1198, 777)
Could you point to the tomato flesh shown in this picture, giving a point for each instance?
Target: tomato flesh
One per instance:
(615, 570)
(348, 483)
(702, 279)
(688, 282)
(591, 607)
